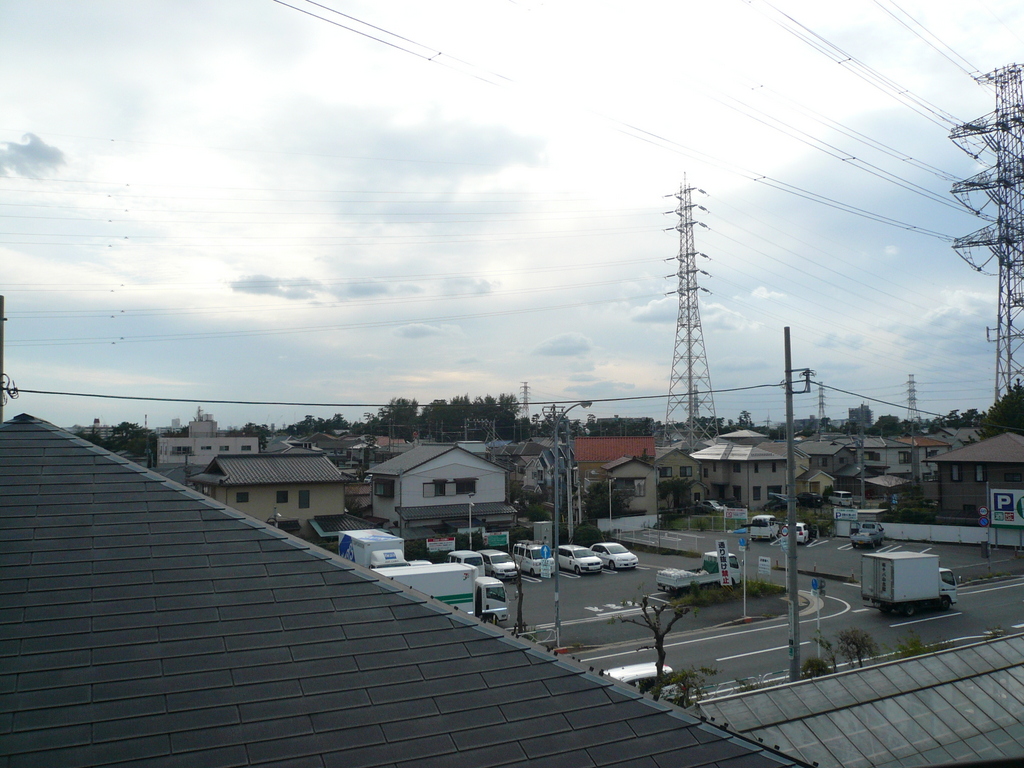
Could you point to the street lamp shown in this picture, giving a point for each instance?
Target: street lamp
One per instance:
(558, 516)
(469, 531)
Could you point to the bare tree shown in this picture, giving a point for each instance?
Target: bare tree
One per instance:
(856, 645)
(687, 685)
(520, 624)
(653, 618)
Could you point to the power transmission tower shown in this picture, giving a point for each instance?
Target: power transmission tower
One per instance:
(821, 409)
(999, 134)
(524, 400)
(913, 415)
(690, 401)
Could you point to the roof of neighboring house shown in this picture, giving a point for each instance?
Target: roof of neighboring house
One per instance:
(605, 449)
(623, 461)
(736, 452)
(662, 452)
(1007, 448)
(924, 441)
(145, 624)
(271, 469)
(888, 481)
(419, 455)
(455, 511)
(742, 434)
(821, 447)
(343, 522)
(956, 705)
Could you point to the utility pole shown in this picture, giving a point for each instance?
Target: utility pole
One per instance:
(791, 574)
(7, 388)
(689, 389)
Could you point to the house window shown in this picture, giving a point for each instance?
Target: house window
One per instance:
(737, 492)
(823, 461)
(225, 448)
(755, 493)
(205, 447)
(464, 486)
(664, 471)
(686, 471)
(182, 450)
(241, 497)
(1011, 477)
(303, 499)
(705, 471)
(905, 457)
(384, 488)
(872, 456)
(842, 459)
(736, 467)
(955, 473)
(282, 497)
(434, 488)
(980, 473)
(775, 467)
(756, 470)
(774, 489)
(246, 447)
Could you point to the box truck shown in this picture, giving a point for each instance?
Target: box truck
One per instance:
(906, 582)
(372, 548)
(457, 585)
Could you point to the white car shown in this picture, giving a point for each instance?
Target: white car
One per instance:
(614, 556)
(498, 564)
(572, 557)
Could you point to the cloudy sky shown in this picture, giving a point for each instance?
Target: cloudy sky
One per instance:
(345, 202)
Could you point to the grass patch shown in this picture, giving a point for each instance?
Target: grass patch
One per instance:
(701, 597)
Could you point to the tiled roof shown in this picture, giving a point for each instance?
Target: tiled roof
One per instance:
(343, 522)
(736, 452)
(271, 469)
(412, 458)
(605, 449)
(142, 624)
(1007, 448)
(456, 511)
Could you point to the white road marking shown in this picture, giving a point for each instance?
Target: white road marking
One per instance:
(930, 618)
(763, 650)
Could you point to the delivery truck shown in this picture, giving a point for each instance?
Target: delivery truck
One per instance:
(457, 585)
(675, 580)
(906, 582)
(372, 548)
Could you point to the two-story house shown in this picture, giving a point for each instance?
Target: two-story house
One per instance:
(287, 489)
(967, 476)
(440, 488)
(745, 475)
(676, 464)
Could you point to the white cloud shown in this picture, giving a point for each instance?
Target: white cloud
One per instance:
(565, 345)
(764, 293)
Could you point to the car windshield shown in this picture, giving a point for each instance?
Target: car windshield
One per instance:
(495, 559)
(615, 549)
(477, 560)
(581, 552)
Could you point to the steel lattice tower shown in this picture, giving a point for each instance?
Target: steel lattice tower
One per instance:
(913, 415)
(691, 407)
(1001, 134)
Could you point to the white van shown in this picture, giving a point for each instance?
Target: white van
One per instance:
(841, 499)
(763, 527)
(467, 557)
(530, 558)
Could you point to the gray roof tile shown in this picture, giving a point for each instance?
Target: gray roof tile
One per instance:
(143, 624)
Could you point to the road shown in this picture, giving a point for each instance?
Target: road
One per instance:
(593, 607)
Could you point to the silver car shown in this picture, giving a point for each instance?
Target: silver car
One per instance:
(614, 556)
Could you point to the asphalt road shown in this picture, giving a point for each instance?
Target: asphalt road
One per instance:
(592, 608)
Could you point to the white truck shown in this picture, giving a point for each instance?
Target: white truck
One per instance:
(675, 580)
(906, 582)
(457, 585)
(372, 548)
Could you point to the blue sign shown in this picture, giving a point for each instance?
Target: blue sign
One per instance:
(743, 542)
(982, 521)
(545, 551)
(814, 584)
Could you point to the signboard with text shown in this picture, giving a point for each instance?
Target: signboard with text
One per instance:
(723, 563)
(736, 513)
(764, 566)
(446, 544)
(1007, 508)
(497, 539)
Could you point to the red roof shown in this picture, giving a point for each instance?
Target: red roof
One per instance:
(605, 449)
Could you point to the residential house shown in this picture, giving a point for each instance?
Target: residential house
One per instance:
(289, 488)
(966, 475)
(592, 453)
(147, 625)
(437, 488)
(204, 441)
(744, 475)
(676, 464)
(638, 480)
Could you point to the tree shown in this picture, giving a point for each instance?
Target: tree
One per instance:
(1006, 414)
(856, 645)
(653, 618)
(686, 687)
(745, 422)
(676, 490)
(595, 501)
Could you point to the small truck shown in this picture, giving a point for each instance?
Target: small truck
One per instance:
(373, 548)
(457, 585)
(676, 580)
(906, 582)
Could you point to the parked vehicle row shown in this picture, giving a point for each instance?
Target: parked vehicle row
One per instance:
(529, 556)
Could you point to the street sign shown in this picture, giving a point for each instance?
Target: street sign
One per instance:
(497, 539)
(983, 521)
(784, 543)
(545, 568)
(764, 566)
(821, 588)
(723, 562)
(545, 551)
(983, 511)
(743, 544)
(814, 584)
(785, 530)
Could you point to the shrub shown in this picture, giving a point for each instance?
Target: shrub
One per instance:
(814, 667)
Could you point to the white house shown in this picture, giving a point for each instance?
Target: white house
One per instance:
(203, 444)
(437, 489)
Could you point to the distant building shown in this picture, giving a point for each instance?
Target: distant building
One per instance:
(204, 442)
(861, 416)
